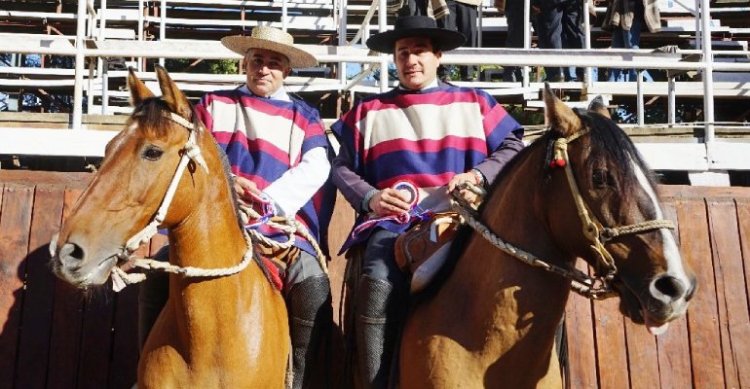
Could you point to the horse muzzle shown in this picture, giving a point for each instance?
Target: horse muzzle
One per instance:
(664, 299)
(70, 263)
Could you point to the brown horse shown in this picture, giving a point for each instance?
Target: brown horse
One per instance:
(581, 190)
(229, 331)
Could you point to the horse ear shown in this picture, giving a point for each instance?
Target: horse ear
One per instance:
(597, 105)
(559, 116)
(138, 90)
(173, 96)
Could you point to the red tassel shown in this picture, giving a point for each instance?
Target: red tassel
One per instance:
(560, 162)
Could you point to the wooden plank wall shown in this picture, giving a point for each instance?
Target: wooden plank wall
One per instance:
(710, 347)
(54, 336)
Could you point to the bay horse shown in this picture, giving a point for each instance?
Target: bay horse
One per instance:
(580, 190)
(214, 331)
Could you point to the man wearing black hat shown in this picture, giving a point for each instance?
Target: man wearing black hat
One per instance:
(401, 153)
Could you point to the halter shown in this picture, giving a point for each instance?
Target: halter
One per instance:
(598, 287)
(190, 152)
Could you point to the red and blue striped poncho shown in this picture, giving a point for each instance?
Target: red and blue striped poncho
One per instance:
(263, 138)
(424, 137)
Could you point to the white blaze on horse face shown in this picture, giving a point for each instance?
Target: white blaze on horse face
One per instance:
(671, 251)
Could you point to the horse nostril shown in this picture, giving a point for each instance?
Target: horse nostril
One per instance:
(667, 288)
(70, 253)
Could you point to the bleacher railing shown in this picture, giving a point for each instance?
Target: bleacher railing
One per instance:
(88, 45)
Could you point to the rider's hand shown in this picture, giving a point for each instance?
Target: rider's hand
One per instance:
(390, 201)
(245, 189)
(460, 179)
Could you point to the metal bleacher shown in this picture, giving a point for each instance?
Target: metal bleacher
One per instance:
(107, 36)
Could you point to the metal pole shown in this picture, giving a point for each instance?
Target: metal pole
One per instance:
(708, 82)
(342, 39)
(284, 7)
(90, 83)
(101, 63)
(382, 22)
(80, 59)
(697, 14)
(587, 41)
(526, 37)
(671, 100)
(639, 97)
(105, 89)
(162, 25)
(140, 31)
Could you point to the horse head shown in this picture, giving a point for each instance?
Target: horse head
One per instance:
(603, 182)
(134, 187)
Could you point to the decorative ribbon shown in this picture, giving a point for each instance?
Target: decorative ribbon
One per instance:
(415, 212)
(264, 208)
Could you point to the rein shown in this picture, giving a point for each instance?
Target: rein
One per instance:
(289, 226)
(120, 279)
(595, 288)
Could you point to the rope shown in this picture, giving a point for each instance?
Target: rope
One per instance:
(581, 283)
(289, 227)
(611, 233)
(598, 287)
(121, 279)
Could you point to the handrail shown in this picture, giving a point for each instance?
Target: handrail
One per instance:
(701, 59)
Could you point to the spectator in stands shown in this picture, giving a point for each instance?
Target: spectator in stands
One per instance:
(457, 15)
(425, 137)
(559, 26)
(625, 19)
(462, 17)
(278, 154)
(513, 11)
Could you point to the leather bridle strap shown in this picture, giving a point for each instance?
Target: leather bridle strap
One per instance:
(593, 230)
(190, 152)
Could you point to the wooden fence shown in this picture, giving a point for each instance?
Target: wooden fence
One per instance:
(54, 336)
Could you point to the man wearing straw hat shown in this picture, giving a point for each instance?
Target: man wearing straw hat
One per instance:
(401, 153)
(278, 155)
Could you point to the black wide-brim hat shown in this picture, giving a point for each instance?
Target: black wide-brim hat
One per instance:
(413, 26)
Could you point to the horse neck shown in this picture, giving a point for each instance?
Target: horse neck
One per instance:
(210, 238)
(517, 210)
(506, 289)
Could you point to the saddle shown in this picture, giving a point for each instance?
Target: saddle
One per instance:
(423, 249)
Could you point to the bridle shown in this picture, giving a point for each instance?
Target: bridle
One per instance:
(189, 152)
(596, 287)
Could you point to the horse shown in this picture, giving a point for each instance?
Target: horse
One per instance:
(216, 330)
(580, 191)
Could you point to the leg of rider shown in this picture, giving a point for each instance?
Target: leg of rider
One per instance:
(514, 38)
(380, 308)
(308, 296)
(152, 296)
(550, 34)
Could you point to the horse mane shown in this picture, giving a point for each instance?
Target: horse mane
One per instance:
(608, 141)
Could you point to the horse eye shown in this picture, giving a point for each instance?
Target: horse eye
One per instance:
(599, 178)
(152, 153)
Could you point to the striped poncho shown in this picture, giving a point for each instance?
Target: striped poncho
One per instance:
(423, 137)
(266, 138)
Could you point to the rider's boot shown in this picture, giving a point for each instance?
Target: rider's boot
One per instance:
(310, 319)
(376, 330)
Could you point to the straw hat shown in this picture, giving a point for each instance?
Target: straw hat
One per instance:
(413, 26)
(270, 38)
